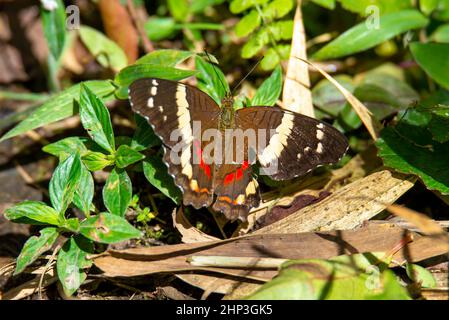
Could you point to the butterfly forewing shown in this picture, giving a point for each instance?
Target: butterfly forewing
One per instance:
(172, 108)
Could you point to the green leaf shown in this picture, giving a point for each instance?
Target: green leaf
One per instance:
(165, 57)
(441, 34)
(34, 247)
(349, 277)
(363, 36)
(54, 28)
(384, 6)
(144, 137)
(96, 161)
(147, 70)
(433, 58)
(273, 57)
(126, 156)
(211, 81)
(71, 263)
(64, 182)
(84, 194)
(270, 90)
(160, 28)
(117, 192)
(108, 228)
(179, 9)
(157, 174)
(409, 148)
(276, 31)
(33, 212)
(328, 4)
(238, 6)
(277, 9)
(328, 98)
(106, 51)
(248, 24)
(60, 106)
(420, 275)
(66, 147)
(96, 119)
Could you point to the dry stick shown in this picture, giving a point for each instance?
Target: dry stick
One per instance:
(296, 95)
(47, 267)
(147, 45)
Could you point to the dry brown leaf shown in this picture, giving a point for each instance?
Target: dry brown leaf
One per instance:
(348, 207)
(31, 286)
(119, 27)
(189, 233)
(296, 95)
(372, 124)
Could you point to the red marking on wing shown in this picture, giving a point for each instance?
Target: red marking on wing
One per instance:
(199, 153)
(237, 175)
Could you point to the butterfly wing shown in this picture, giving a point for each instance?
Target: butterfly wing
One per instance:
(294, 144)
(175, 111)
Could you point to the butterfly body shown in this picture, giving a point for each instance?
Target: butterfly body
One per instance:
(209, 149)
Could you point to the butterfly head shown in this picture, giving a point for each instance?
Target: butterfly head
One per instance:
(228, 101)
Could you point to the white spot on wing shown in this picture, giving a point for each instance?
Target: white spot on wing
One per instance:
(320, 126)
(278, 141)
(150, 103)
(319, 135)
(155, 83)
(299, 156)
(153, 91)
(319, 148)
(186, 131)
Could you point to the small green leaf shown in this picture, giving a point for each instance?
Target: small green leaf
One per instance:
(64, 183)
(179, 9)
(71, 263)
(383, 6)
(165, 57)
(270, 90)
(211, 81)
(328, 98)
(126, 156)
(157, 174)
(71, 225)
(420, 275)
(238, 6)
(146, 70)
(34, 247)
(108, 228)
(106, 51)
(84, 194)
(328, 4)
(248, 24)
(33, 212)
(409, 148)
(364, 36)
(273, 57)
(96, 119)
(441, 34)
(433, 58)
(277, 9)
(60, 106)
(160, 28)
(96, 161)
(66, 147)
(54, 28)
(144, 137)
(117, 192)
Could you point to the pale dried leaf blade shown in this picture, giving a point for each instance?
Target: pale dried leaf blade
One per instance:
(189, 233)
(371, 123)
(296, 95)
(421, 221)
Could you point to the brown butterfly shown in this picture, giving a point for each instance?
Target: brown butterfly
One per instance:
(294, 144)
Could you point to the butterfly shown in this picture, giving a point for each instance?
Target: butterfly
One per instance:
(220, 174)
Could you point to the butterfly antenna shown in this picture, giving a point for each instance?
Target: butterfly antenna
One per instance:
(216, 72)
(244, 78)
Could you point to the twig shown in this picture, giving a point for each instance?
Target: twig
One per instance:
(47, 267)
(146, 42)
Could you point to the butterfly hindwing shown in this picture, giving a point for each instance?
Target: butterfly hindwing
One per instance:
(296, 144)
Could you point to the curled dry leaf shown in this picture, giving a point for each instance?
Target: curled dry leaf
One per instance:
(119, 27)
(296, 95)
(372, 124)
(189, 233)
